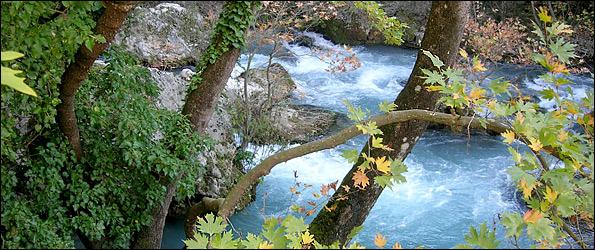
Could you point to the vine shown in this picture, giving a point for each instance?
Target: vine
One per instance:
(228, 33)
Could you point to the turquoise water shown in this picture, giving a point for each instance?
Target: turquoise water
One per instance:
(453, 181)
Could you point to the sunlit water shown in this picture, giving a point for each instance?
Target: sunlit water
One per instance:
(453, 181)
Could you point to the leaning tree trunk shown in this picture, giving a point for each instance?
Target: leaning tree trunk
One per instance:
(442, 38)
(200, 102)
(108, 25)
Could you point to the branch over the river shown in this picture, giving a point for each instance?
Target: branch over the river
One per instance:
(264, 168)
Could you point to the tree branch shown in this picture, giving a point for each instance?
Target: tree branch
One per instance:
(264, 168)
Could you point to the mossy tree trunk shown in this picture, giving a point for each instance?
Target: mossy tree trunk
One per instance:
(444, 30)
(200, 103)
(108, 25)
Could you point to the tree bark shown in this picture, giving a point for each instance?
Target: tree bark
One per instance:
(444, 30)
(199, 107)
(108, 25)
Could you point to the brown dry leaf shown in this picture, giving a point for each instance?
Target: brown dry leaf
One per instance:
(360, 179)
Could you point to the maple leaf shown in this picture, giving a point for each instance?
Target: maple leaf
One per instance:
(379, 240)
(535, 144)
(377, 143)
(397, 246)
(526, 188)
(360, 179)
(550, 194)
(476, 93)
(478, 66)
(543, 16)
(265, 245)
(532, 216)
(324, 189)
(307, 238)
(382, 164)
(508, 136)
(346, 188)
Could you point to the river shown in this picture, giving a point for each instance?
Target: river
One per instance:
(453, 182)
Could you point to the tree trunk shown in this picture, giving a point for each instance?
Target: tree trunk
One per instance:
(108, 24)
(442, 38)
(199, 107)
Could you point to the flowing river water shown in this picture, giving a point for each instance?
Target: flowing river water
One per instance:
(453, 182)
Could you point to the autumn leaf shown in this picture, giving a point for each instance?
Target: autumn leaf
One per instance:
(478, 66)
(346, 188)
(397, 246)
(379, 240)
(550, 194)
(463, 53)
(476, 93)
(265, 245)
(543, 16)
(526, 188)
(382, 164)
(434, 88)
(562, 136)
(508, 136)
(360, 179)
(310, 212)
(535, 144)
(307, 238)
(333, 207)
(532, 216)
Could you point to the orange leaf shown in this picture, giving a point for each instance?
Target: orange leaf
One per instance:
(532, 216)
(379, 240)
(397, 246)
(360, 179)
(346, 188)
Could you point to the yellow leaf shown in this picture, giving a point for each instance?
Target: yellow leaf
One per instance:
(543, 16)
(526, 188)
(382, 164)
(550, 194)
(307, 238)
(360, 179)
(265, 245)
(397, 246)
(478, 66)
(434, 88)
(9, 78)
(532, 216)
(508, 136)
(563, 136)
(535, 144)
(455, 96)
(379, 240)
(463, 53)
(377, 143)
(477, 93)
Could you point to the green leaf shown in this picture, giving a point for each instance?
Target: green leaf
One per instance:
(435, 60)
(541, 230)
(387, 106)
(548, 93)
(514, 223)
(432, 77)
(224, 241)
(351, 155)
(211, 224)
(252, 241)
(384, 181)
(397, 168)
(294, 225)
(10, 79)
(200, 241)
(563, 50)
(485, 239)
(354, 232)
(498, 86)
(10, 55)
(565, 203)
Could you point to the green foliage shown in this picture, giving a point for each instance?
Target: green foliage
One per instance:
(392, 29)
(287, 233)
(228, 33)
(35, 160)
(484, 239)
(9, 77)
(551, 192)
